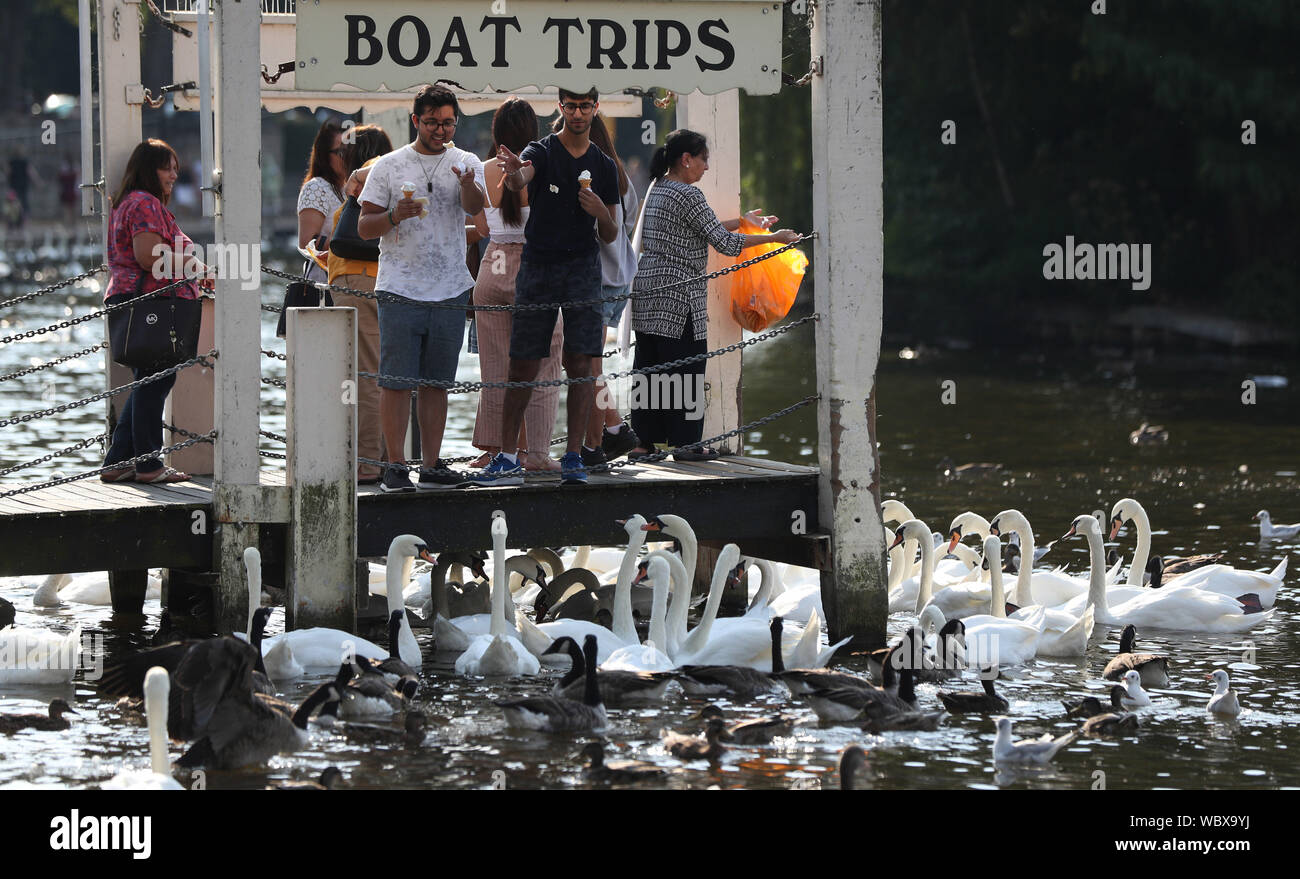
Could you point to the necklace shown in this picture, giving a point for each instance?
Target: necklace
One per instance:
(428, 178)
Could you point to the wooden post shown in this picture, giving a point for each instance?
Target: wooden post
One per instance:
(121, 98)
(189, 405)
(238, 229)
(847, 145)
(320, 409)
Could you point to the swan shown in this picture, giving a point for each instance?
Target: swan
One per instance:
(89, 588)
(1224, 700)
(1049, 588)
(500, 652)
(157, 683)
(1223, 579)
(650, 655)
(404, 547)
(598, 561)
(1061, 633)
(807, 652)
(736, 681)
(734, 641)
(557, 714)
(797, 601)
(38, 656)
(1170, 607)
(1269, 531)
(679, 529)
(1028, 751)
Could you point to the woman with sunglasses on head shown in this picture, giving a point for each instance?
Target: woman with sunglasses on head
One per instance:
(322, 190)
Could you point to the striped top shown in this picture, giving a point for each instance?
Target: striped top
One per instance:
(678, 228)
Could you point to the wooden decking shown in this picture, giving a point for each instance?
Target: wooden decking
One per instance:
(769, 508)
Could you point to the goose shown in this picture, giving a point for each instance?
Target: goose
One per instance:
(649, 656)
(1028, 751)
(245, 730)
(1222, 579)
(8, 613)
(1110, 724)
(688, 748)
(1153, 668)
(157, 683)
(52, 721)
(1173, 607)
(986, 702)
(599, 770)
(1091, 706)
(38, 656)
(839, 704)
(616, 686)
(1134, 696)
(735, 681)
(370, 695)
(499, 652)
(89, 588)
(945, 657)
(1269, 531)
(759, 731)
(557, 714)
(330, 778)
(1224, 700)
(853, 760)
(410, 736)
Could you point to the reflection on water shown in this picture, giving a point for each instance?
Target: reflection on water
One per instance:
(1059, 429)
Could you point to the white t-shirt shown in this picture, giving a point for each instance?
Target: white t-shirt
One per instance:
(423, 259)
(319, 195)
(618, 259)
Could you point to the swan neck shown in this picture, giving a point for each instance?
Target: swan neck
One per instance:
(700, 635)
(659, 611)
(500, 585)
(998, 598)
(1024, 585)
(897, 560)
(1143, 554)
(1097, 574)
(156, 709)
(623, 625)
(927, 573)
(254, 591)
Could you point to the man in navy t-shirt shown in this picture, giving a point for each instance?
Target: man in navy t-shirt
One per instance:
(570, 183)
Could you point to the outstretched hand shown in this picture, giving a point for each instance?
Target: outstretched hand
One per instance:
(756, 217)
(508, 161)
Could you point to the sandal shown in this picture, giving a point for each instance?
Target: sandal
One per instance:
(704, 454)
(634, 455)
(165, 475)
(121, 474)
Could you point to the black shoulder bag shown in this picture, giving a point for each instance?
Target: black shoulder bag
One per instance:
(156, 332)
(301, 294)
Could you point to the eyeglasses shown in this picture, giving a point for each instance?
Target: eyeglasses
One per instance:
(571, 107)
(440, 123)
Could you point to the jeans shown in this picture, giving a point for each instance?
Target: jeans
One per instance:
(139, 427)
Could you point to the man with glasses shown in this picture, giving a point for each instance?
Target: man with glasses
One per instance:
(572, 190)
(415, 201)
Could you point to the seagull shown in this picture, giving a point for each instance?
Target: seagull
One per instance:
(1028, 751)
(1135, 697)
(1269, 531)
(1224, 700)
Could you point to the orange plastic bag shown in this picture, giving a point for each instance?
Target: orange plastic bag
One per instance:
(763, 293)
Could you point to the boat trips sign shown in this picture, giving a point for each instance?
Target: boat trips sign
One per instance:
(375, 45)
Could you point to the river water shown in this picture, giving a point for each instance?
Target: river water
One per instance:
(1057, 424)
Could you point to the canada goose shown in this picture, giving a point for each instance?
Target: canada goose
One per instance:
(1110, 724)
(736, 681)
(7, 613)
(845, 704)
(246, 729)
(159, 775)
(557, 714)
(1224, 700)
(370, 694)
(50, 722)
(279, 659)
(989, 700)
(1026, 751)
(615, 770)
(410, 736)
(1153, 668)
(710, 747)
(329, 779)
(1267, 530)
(852, 761)
(759, 731)
(616, 687)
(802, 681)
(1091, 706)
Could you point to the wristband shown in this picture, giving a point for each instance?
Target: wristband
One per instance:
(390, 217)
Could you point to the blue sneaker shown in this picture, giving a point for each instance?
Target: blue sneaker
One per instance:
(500, 472)
(572, 470)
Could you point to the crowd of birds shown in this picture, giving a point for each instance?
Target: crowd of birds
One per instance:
(626, 643)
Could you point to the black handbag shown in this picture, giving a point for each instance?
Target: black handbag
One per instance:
(346, 241)
(301, 294)
(156, 332)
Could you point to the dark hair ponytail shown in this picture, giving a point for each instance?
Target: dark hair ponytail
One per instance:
(677, 144)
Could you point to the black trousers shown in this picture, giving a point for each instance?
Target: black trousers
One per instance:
(668, 406)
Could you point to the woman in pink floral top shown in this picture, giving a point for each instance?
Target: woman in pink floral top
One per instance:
(146, 251)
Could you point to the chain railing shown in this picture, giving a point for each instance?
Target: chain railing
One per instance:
(44, 459)
(49, 363)
(53, 287)
(64, 324)
(117, 465)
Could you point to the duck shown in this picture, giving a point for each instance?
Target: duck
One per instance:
(558, 714)
(709, 747)
(1219, 578)
(8, 613)
(500, 652)
(1172, 607)
(1224, 700)
(1028, 751)
(40, 657)
(1269, 531)
(617, 686)
(615, 771)
(1110, 724)
(329, 779)
(853, 760)
(52, 721)
(1148, 435)
(986, 702)
(1091, 706)
(759, 731)
(246, 730)
(157, 684)
(1153, 668)
(1134, 696)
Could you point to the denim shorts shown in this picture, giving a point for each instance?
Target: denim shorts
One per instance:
(613, 311)
(419, 342)
(576, 281)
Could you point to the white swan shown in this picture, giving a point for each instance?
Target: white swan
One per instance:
(800, 595)
(89, 588)
(807, 651)
(679, 528)
(650, 656)
(1170, 607)
(500, 652)
(38, 656)
(157, 684)
(1048, 588)
(405, 547)
(733, 641)
(280, 663)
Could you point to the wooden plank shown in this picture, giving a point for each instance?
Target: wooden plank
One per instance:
(109, 497)
(44, 501)
(778, 466)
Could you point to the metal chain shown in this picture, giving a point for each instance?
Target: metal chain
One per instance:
(275, 436)
(82, 353)
(32, 416)
(538, 306)
(280, 384)
(272, 455)
(166, 450)
(274, 309)
(52, 455)
(182, 431)
(59, 286)
(267, 353)
(469, 387)
(92, 315)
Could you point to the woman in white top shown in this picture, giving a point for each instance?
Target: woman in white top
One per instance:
(322, 190)
(503, 218)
